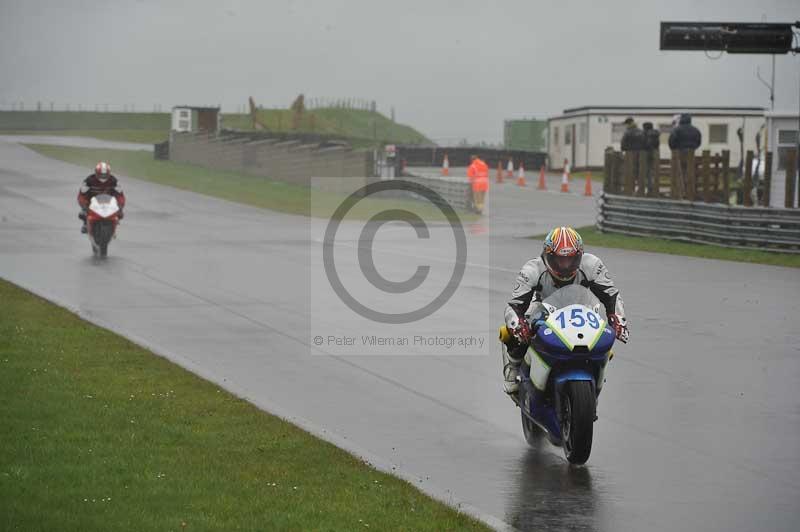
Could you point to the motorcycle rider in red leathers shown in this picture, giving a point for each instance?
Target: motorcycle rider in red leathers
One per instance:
(100, 182)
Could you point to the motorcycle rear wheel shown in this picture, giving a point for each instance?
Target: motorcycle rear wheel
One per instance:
(577, 420)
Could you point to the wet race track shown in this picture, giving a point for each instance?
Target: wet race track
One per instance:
(699, 421)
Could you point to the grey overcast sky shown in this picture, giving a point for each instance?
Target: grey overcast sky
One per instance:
(451, 69)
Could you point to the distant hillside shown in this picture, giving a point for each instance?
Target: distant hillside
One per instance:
(361, 126)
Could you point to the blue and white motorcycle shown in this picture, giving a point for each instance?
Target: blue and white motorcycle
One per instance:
(563, 372)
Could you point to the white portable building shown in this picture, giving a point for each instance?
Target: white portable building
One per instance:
(581, 135)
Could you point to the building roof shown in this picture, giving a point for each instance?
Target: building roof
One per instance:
(195, 108)
(782, 114)
(660, 110)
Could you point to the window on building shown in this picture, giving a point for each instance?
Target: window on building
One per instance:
(184, 114)
(555, 136)
(567, 136)
(582, 133)
(183, 124)
(787, 143)
(617, 130)
(718, 133)
(787, 136)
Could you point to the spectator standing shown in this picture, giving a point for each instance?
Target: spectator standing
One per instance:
(685, 138)
(652, 139)
(633, 141)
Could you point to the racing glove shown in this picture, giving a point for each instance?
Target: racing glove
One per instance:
(620, 326)
(519, 328)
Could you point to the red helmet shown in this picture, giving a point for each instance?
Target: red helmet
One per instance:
(563, 251)
(102, 171)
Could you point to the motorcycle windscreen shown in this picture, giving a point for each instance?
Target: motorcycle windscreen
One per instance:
(573, 294)
(104, 205)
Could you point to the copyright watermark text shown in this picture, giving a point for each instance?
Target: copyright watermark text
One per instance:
(417, 340)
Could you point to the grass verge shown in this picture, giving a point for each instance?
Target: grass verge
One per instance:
(143, 136)
(241, 188)
(592, 237)
(100, 434)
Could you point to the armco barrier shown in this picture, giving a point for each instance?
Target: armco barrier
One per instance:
(455, 191)
(731, 226)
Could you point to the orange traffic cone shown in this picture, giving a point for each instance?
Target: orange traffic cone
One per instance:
(565, 181)
(446, 165)
(521, 176)
(587, 191)
(499, 178)
(510, 168)
(542, 184)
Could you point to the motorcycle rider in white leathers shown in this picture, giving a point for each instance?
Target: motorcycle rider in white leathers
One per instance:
(561, 263)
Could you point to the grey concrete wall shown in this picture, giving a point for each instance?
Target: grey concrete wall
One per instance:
(290, 161)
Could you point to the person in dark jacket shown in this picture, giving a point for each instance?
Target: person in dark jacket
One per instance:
(685, 136)
(652, 139)
(633, 139)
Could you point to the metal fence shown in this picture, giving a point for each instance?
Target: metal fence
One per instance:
(434, 156)
(723, 225)
(456, 192)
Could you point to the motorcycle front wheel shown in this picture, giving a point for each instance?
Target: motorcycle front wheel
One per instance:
(577, 420)
(102, 232)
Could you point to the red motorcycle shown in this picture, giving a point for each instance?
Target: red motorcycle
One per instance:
(102, 217)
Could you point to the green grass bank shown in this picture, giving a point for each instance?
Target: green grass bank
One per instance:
(100, 434)
(592, 237)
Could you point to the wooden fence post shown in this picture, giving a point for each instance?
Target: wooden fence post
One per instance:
(691, 177)
(791, 172)
(628, 172)
(767, 180)
(608, 169)
(676, 176)
(641, 178)
(655, 162)
(706, 176)
(726, 177)
(747, 183)
(716, 160)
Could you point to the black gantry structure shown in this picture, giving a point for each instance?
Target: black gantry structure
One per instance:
(734, 38)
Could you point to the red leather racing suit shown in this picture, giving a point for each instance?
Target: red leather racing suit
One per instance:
(92, 186)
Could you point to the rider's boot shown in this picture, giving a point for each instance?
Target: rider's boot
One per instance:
(82, 216)
(513, 354)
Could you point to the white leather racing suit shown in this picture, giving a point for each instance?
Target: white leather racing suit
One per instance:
(534, 284)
